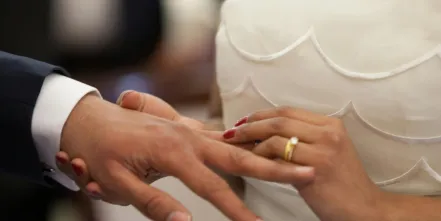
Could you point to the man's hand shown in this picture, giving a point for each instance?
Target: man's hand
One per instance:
(119, 144)
(77, 169)
(155, 106)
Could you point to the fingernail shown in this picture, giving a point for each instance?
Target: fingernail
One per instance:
(303, 169)
(95, 195)
(179, 216)
(61, 160)
(229, 133)
(121, 97)
(78, 171)
(259, 219)
(241, 121)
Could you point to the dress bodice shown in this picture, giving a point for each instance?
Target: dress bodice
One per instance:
(375, 64)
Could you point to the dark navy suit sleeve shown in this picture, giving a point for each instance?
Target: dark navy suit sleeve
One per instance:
(21, 80)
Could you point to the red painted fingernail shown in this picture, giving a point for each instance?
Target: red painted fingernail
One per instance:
(78, 171)
(241, 121)
(61, 160)
(229, 133)
(95, 195)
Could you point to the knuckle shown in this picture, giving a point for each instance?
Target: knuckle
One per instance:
(285, 111)
(256, 116)
(151, 205)
(337, 124)
(239, 158)
(273, 142)
(181, 128)
(279, 124)
(332, 137)
(174, 139)
(211, 192)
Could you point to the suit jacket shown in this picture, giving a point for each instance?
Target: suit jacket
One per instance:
(21, 78)
(20, 82)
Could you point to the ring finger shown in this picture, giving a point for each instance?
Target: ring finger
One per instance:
(280, 126)
(274, 147)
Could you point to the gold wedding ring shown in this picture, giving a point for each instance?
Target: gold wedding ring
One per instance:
(290, 147)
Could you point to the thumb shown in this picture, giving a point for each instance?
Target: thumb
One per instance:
(150, 104)
(151, 202)
(147, 103)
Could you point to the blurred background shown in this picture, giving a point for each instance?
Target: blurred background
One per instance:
(162, 47)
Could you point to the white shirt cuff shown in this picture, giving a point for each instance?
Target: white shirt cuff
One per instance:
(57, 98)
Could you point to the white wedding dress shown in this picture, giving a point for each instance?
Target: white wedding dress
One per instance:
(376, 64)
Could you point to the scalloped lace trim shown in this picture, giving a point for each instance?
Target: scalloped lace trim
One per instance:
(310, 35)
(350, 107)
(422, 164)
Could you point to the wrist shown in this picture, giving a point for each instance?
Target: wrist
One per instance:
(383, 208)
(82, 116)
(371, 207)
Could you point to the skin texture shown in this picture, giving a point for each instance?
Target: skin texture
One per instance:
(324, 145)
(341, 190)
(130, 142)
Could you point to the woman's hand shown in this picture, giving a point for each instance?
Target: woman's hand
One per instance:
(341, 189)
(78, 170)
